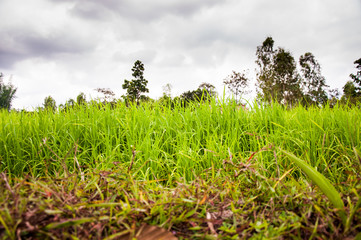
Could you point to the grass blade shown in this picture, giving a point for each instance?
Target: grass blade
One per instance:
(326, 187)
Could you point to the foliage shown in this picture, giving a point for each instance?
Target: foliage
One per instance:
(205, 92)
(265, 55)
(138, 85)
(207, 171)
(208, 89)
(49, 103)
(7, 94)
(352, 88)
(166, 99)
(357, 77)
(327, 188)
(161, 134)
(314, 82)
(349, 93)
(70, 103)
(109, 95)
(81, 99)
(236, 83)
(192, 96)
(277, 76)
(167, 90)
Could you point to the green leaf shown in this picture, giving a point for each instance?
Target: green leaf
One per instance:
(321, 181)
(68, 223)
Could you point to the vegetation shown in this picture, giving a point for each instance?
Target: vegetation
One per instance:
(352, 89)
(138, 85)
(49, 103)
(204, 171)
(190, 167)
(236, 83)
(205, 92)
(315, 83)
(356, 78)
(7, 94)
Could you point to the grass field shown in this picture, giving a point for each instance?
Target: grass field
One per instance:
(208, 171)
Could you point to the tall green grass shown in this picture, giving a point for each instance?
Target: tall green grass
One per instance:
(165, 143)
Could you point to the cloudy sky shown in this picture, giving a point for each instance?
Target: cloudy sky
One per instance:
(64, 47)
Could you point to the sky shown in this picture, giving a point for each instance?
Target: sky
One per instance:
(63, 47)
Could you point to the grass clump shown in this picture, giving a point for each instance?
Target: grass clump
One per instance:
(208, 171)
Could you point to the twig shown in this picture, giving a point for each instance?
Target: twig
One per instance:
(77, 162)
(278, 167)
(133, 157)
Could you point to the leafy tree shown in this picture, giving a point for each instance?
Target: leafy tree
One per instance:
(70, 103)
(7, 94)
(352, 89)
(208, 89)
(49, 103)
(167, 90)
(349, 90)
(81, 99)
(166, 99)
(357, 77)
(138, 85)
(314, 82)
(286, 78)
(277, 76)
(265, 79)
(236, 83)
(108, 94)
(333, 96)
(192, 96)
(204, 92)
(350, 95)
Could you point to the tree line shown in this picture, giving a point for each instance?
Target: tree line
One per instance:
(279, 80)
(277, 75)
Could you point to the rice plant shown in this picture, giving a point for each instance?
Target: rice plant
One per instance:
(150, 161)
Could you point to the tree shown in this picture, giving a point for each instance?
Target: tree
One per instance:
(236, 83)
(81, 99)
(313, 81)
(7, 94)
(352, 88)
(357, 77)
(70, 103)
(204, 92)
(167, 90)
(108, 94)
(138, 85)
(192, 96)
(166, 99)
(287, 81)
(49, 103)
(350, 95)
(333, 96)
(208, 89)
(277, 76)
(349, 90)
(265, 55)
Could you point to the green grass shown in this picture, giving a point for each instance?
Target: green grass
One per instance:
(101, 170)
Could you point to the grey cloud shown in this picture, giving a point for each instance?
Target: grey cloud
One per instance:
(172, 60)
(147, 56)
(8, 58)
(139, 10)
(92, 10)
(20, 45)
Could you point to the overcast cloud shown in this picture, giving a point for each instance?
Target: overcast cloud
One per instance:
(64, 47)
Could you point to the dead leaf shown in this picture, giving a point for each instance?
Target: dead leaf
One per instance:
(210, 224)
(225, 214)
(203, 200)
